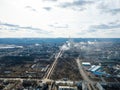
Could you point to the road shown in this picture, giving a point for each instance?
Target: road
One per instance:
(19, 79)
(90, 83)
(51, 69)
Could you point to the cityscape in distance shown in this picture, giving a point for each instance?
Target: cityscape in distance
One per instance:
(59, 63)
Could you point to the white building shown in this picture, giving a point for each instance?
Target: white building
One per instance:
(86, 63)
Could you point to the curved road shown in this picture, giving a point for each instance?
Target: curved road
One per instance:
(90, 83)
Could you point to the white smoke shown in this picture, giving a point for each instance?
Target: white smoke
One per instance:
(65, 47)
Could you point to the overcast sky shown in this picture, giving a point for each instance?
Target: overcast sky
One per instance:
(60, 18)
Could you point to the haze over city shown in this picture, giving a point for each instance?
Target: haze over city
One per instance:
(60, 18)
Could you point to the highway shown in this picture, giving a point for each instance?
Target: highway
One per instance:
(51, 69)
(90, 83)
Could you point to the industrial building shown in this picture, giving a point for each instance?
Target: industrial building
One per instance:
(86, 63)
(67, 88)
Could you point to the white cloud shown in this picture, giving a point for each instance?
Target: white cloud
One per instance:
(75, 20)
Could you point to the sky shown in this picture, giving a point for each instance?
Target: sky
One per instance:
(59, 18)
